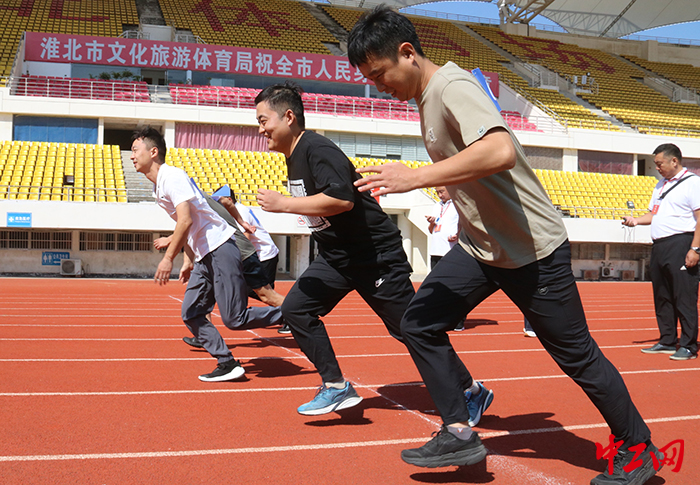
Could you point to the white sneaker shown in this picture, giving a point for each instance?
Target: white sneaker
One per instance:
(529, 333)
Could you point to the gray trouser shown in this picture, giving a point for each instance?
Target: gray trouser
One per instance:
(218, 279)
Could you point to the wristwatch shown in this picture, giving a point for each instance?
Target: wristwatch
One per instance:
(696, 249)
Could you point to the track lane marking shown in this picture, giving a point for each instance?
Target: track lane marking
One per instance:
(311, 447)
(470, 334)
(307, 388)
(294, 355)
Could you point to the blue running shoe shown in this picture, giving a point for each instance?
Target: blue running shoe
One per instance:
(478, 404)
(329, 399)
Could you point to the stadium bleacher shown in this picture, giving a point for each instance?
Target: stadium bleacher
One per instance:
(577, 194)
(83, 17)
(620, 91)
(444, 41)
(685, 75)
(276, 23)
(597, 195)
(262, 24)
(36, 171)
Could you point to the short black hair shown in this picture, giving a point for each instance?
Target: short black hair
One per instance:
(379, 33)
(284, 96)
(152, 138)
(670, 151)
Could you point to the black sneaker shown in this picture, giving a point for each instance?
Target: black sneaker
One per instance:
(638, 476)
(284, 329)
(445, 449)
(683, 354)
(228, 371)
(660, 349)
(193, 342)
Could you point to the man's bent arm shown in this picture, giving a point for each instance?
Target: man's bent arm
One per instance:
(644, 220)
(491, 154)
(318, 205)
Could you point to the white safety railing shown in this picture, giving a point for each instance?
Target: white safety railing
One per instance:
(666, 131)
(63, 87)
(583, 212)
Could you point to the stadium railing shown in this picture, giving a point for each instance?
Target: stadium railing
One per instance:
(66, 193)
(62, 87)
(229, 97)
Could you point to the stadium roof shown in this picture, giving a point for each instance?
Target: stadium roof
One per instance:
(604, 18)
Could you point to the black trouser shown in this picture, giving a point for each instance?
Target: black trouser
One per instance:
(381, 280)
(675, 291)
(434, 260)
(546, 293)
(259, 273)
(270, 269)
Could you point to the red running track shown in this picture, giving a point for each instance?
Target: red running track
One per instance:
(96, 387)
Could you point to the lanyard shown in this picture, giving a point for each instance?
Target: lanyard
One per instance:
(443, 209)
(680, 179)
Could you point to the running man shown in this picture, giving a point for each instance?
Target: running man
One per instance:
(512, 239)
(360, 248)
(212, 265)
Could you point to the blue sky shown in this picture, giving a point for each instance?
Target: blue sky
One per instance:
(689, 30)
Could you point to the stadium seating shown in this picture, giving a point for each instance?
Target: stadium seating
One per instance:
(620, 90)
(260, 24)
(244, 171)
(516, 121)
(685, 75)
(83, 17)
(597, 195)
(36, 170)
(61, 87)
(444, 41)
(577, 194)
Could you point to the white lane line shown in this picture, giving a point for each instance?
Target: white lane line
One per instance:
(335, 337)
(296, 355)
(650, 318)
(307, 388)
(311, 447)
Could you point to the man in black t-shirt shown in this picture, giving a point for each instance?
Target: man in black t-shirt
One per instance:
(359, 247)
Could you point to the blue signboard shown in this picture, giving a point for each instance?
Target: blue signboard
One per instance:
(19, 219)
(53, 258)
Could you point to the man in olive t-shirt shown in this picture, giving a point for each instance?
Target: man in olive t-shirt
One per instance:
(512, 239)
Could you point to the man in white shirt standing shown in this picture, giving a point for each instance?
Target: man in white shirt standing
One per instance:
(212, 265)
(674, 215)
(443, 226)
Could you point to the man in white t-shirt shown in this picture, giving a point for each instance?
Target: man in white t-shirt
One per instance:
(443, 226)
(674, 215)
(212, 265)
(267, 250)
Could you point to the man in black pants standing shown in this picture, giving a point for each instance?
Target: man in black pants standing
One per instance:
(359, 247)
(512, 239)
(674, 215)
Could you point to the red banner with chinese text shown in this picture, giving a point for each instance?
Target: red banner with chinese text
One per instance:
(148, 54)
